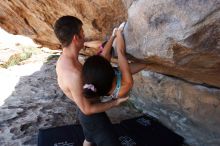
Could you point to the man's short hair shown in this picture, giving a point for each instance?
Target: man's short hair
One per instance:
(66, 27)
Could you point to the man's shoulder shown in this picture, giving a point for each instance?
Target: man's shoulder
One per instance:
(67, 81)
(67, 69)
(69, 75)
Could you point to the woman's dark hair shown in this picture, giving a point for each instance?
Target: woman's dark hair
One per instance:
(65, 28)
(98, 72)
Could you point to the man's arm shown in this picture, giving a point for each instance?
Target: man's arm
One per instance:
(89, 108)
(92, 44)
(86, 106)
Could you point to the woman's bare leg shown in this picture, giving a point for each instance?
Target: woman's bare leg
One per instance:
(135, 67)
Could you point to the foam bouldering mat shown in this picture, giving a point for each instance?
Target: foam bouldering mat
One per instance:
(140, 131)
(150, 132)
(69, 135)
(126, 138)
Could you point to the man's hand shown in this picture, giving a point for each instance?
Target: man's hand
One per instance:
(121, 100)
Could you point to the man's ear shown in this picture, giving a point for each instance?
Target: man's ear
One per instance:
(75, 38)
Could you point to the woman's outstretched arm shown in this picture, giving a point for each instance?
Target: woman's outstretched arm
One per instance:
(127, 80)
(106, 53)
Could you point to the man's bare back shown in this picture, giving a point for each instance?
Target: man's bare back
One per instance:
(68, 75)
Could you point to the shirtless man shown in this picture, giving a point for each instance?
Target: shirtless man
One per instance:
(69, 32)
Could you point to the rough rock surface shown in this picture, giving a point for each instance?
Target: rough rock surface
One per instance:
(175, 35)
(179, 38)
(30, 99)
(190, 110)
(36, 18)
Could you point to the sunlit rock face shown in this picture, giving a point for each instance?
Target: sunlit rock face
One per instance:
(181, 37)
(36, 18)
(178, 39)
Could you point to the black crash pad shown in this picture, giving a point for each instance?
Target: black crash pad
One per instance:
(70, 135)
(150, 132)
(140, 131)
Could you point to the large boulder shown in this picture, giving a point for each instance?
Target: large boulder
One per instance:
(180, 37)
(190, 110)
